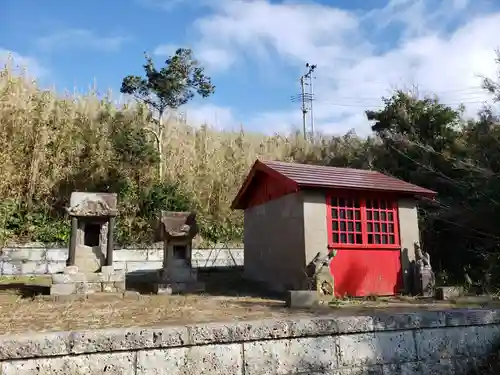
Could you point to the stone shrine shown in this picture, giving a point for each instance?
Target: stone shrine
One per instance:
(90, 257)
(176, 230)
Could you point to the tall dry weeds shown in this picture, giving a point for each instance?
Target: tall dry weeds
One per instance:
(50, 139)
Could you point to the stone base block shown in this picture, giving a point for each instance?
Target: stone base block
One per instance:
(113, 287)
(179, 288)
(62, 289)
(444, 293)
(71, 281)
(302, 298)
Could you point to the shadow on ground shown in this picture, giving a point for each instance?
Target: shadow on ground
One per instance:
(218, 282)
(24, 290)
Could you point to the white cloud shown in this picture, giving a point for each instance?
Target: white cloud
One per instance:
(354, 71)
(218, 117)
(213, 59)
(81, 38)
(244, 29)
(18, 63)
(165, 50)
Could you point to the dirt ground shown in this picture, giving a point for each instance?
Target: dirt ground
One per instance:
(22, 309)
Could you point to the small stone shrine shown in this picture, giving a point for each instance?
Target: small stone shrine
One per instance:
(176, 230)
(424, 279)
(90, 257)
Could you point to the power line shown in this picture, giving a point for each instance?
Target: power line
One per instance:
(469, 96)
(369, 82)
(376, 102)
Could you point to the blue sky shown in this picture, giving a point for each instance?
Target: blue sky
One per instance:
(256, 50)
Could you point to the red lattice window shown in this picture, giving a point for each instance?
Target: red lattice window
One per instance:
(362, 222)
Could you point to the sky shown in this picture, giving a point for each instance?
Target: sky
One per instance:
(255, 52)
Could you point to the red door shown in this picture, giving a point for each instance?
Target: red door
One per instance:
(360, 272)
(364, 232)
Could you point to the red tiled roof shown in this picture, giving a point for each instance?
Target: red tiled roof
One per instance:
(307, 175)
(299, 176)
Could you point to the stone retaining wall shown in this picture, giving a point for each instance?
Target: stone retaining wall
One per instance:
(42, 260)
(443, 343)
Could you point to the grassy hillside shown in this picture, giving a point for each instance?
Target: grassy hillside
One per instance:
(53, 144)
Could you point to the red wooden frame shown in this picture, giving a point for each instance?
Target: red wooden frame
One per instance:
(362, 222)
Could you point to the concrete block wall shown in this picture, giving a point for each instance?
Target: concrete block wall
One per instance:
(39, 259)
(424, 343)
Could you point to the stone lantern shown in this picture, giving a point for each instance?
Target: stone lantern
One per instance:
(90, 256)
(176, 230)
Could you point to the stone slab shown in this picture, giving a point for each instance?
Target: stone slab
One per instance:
(155, 255)
(34, 345)
(484, 340)
(64, 278)
(117, 276)
(62, 289)
(95, 364)
(23, 254)
(56, 255)
(34, 268)
(55, 267)
(366, 349)
(309, 355)
(130, 255)
(209, 360)
(364, 370)
(429, 342)
(128, 339)
(444, 293)
(143, 266)
(301, 298)
(11, 268)
(438, 344)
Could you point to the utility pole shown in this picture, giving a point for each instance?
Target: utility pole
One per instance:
(311, 68)
(303, 98)
(306, 99)
(304, 110)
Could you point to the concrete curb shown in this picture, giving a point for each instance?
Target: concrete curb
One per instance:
(35, 345)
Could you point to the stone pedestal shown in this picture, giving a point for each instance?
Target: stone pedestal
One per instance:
(74, 281)
(424, 281)
(90, 256)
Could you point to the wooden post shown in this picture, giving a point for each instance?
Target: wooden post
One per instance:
(110, 245)
(72, 242)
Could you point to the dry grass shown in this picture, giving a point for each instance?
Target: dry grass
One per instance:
(48, 138)
(21, 312)
(21, 315)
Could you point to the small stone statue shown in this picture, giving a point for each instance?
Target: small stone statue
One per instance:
(422, 258)
(319, 273)
(424, 276)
